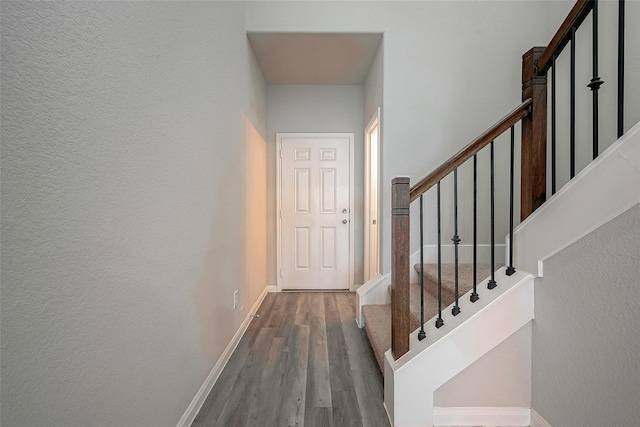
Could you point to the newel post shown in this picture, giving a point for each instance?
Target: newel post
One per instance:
(400, 266)
(534, 135)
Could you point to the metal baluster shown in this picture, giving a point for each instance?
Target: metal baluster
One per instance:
(595, 81)
(474, 295)
(492, 283)
(456, 240)
(511, 269)
(421, 334)
(573, 103)
(620, 68)
(439, 321)
(553, 124)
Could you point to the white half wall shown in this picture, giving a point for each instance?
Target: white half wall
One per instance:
(411, 381)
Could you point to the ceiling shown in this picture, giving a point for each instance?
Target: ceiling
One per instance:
(314, 58)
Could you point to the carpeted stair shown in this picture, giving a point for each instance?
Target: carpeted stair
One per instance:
(377, 318)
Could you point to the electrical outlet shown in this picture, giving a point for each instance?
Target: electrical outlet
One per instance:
(235, 299)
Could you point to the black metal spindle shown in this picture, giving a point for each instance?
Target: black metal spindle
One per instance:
(595, 81)
(553, 124)
(492, 283)
(474, 295)
(620, 67)
(439, 321)
(572, 141)
(511, 269)
(456, 240)
(421, 334)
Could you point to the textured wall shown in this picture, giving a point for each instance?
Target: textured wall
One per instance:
(122, 233)
(292, 108)
(586, 334)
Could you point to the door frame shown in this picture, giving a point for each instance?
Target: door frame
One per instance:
(375, 120)
(314, 135)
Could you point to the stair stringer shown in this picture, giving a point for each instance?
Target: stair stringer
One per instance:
(410, 382)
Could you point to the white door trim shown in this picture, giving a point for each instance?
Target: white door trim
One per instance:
(279, 137)
(375, 120)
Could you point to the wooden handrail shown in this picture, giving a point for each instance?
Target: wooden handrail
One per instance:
(467, 152)
(575, 17)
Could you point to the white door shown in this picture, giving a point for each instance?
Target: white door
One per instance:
(315, 200)
(372, 144)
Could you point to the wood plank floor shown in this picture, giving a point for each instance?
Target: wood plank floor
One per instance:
(302, 362)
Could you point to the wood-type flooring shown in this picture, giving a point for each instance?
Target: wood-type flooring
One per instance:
(302, 362)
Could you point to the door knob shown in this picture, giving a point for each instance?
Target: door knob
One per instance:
(344, 221)
(344, 211)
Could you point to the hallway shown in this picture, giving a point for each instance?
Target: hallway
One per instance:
(302, 362)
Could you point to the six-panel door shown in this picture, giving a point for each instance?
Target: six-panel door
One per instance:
(315, 213)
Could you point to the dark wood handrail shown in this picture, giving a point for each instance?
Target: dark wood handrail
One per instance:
(575, 17)
(467, 152)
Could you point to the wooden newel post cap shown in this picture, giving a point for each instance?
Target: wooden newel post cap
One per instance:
(400, 196)
(400, 180)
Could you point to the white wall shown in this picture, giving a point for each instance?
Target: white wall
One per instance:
(499, 379)
(608, 72)
(586, 333)
(374, 99)
(122, 226)
(322, 108)
(447, 75)
(374, 84)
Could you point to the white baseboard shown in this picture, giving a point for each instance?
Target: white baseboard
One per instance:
(384, 405)
(272, 288)
(481, 416)
(201, 395)
(537, 420)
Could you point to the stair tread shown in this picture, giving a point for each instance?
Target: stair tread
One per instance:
(377, 320)
(465, 279)
(465, 275)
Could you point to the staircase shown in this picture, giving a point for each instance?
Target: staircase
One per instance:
(377, 317)
(425, 332)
